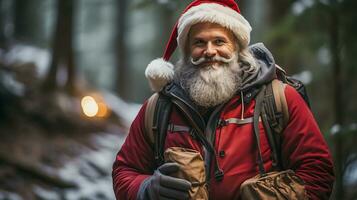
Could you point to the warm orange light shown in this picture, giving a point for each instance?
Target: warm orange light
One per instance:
(90, 106)
(103, 110)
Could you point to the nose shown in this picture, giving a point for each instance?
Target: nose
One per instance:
(210, 51)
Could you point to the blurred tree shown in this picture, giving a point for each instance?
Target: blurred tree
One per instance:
(319, 36)
(348, 50)
(342, 44)
(122, 62)
(333, 28)
(23, 27)
(279, 9)
(2, 26)
(160, 17)
(30, 21)
(62, 50)
(6, 24)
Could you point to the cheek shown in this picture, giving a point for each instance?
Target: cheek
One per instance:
(226, 52)
(196, 53)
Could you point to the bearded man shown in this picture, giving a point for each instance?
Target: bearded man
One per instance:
(218, 73)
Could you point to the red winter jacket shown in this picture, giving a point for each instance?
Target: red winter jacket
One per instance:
(303, 150)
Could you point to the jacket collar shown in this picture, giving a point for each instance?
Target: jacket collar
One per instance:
(173, 90)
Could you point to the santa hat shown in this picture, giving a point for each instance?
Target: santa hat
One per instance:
(223, 12)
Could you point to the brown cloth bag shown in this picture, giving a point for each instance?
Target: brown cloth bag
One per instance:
(274, 185)
(191, 168)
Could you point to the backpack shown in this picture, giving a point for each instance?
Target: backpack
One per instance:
(271, 107)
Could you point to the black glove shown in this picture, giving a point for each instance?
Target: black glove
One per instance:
(162, 186)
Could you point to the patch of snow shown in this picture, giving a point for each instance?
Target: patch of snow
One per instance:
(26, 53)
(91, 171)
(127, 111)
(9, 196)
(109, 141)
(12, 85)
(45, 194)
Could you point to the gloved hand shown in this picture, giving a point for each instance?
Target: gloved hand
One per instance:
(162, 186)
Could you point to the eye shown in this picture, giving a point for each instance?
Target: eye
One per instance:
(198, 42)
(219, 42)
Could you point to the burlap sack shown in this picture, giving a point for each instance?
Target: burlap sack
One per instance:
(191, 168)
(283, 185)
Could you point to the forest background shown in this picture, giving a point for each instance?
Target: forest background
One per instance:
(72, 73)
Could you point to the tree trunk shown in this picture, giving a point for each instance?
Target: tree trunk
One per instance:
(29, 21)
(22, 26)
(2, 26)
(122, 65)
(338, 83)
(336, 64)
(278, 10)
(62, 50)
(69, 53)
(7, 21)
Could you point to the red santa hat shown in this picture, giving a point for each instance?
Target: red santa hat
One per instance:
(223, 12)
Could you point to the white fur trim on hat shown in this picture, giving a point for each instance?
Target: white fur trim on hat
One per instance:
(159, 72)
(215, 13)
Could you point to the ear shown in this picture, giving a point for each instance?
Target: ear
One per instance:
(159, 72)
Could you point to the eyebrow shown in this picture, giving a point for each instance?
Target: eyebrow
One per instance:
(197, 38)
(216, 37)
(221, 38)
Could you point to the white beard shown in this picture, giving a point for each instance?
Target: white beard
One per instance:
(212, 85)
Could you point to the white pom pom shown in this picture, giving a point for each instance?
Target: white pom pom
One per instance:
(159, 72)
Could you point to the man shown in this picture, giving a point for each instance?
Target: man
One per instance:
(219, 72)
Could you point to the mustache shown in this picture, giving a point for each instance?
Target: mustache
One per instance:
(211, 59)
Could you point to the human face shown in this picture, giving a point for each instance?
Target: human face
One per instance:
(209, 40)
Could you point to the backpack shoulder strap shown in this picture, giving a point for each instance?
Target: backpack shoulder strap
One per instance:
(281, 105)
(149, 117)
(275, 117)
(157, 116)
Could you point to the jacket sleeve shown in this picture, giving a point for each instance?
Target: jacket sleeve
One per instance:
(304, 149)
(134, 162)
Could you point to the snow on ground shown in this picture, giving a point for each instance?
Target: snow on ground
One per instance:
(126, 111)
(9, 82)
(25, 53)
(9, 196)
(91, 171)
